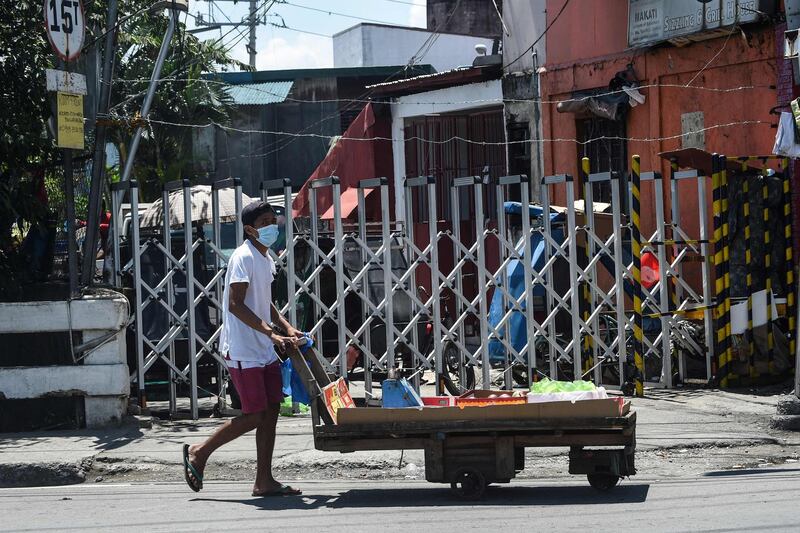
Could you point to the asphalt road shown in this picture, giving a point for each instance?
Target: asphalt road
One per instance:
(744, 500)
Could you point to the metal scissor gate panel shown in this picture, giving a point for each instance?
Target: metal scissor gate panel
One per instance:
(513, 292)
(177, 309)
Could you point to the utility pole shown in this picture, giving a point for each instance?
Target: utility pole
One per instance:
(251, 46)
(252, 21)
(99, 159)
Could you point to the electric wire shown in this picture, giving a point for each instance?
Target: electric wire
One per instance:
(539, 38)
(721, 90)
(211, 124)
(336, 13)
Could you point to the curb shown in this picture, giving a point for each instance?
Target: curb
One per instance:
(44, 474)
(789, 406)
(785, 422)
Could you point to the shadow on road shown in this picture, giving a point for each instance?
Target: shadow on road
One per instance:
(441, 497)
(750, 471)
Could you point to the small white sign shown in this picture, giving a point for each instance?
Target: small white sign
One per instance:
(66, 27)
(65, 82)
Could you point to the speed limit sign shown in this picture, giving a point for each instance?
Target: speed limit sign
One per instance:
(66, 27)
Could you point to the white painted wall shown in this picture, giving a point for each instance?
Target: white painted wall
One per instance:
(374, 45)
(463, 98)
(102, 379)
(526, 20)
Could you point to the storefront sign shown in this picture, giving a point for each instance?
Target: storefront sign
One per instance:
(653, 21)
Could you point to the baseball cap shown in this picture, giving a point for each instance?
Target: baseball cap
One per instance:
(253, 210)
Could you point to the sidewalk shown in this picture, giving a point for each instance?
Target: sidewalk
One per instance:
(681, 423)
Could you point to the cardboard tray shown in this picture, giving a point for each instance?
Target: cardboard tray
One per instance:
(610, 408)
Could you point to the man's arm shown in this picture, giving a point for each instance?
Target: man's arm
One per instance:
(240, 310)
(278, 318)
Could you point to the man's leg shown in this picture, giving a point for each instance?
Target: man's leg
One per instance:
(228, 431)
(265, 445)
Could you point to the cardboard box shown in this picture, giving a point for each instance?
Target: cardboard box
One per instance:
(610, 408)
(483, 398)
(337, 398)
(439, 401)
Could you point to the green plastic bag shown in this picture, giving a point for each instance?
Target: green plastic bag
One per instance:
(547, 385)
(286, 407)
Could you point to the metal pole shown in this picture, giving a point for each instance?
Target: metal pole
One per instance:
(291, 286)
(767, 271)
(528, 269)
(189, 279)
(548, 231)
(251, 46)
(151, 91)
(590, 293)
(751, 353)
(135, 247)
(219, 288)
(719, 276)
(481, 285)
(674, 287)
(455, 208)
(387, 280)
(338, 235)
(503, 281)
(636, 248)
(788, 244)
(433, 235)
(663, 293)
(69, 200)
(116, 228)
(619, 275)
(99, 158)
(727, 261)
(412, 281)
(572, 250)
(173, 400)
(708, 313)
(365, 311)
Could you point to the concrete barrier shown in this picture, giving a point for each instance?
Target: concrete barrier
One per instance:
(101, 377)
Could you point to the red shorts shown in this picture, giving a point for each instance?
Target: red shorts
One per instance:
(257, 387)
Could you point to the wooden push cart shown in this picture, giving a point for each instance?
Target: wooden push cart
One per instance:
(471, 454)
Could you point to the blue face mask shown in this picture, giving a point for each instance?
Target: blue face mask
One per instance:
(268, 235)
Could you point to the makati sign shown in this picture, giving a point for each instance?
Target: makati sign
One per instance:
(654, 21)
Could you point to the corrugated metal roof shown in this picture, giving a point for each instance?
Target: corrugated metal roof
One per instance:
(271, 92)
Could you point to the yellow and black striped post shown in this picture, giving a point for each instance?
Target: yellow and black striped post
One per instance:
(791, 311)
(719, 277)
(726, 252)
(588, 361)
(748, 257)
(768, 269)
(636, 248)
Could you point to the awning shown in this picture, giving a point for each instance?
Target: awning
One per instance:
(349, 202)
(363, 152)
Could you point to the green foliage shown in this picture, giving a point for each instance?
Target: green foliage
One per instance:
(29, 159)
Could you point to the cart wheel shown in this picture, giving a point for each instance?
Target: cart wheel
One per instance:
(469, 484)
(603, 482)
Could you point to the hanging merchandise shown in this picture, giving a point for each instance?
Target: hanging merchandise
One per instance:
(786, 139)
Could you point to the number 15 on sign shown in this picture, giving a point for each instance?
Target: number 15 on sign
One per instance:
(66, 26)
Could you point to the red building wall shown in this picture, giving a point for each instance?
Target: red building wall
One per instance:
(588, 45)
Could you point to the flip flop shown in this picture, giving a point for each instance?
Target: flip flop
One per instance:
(193, 479)
(283, 490)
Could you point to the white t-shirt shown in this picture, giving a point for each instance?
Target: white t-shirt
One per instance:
(238, 340)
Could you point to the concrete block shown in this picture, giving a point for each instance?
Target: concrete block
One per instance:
(789, 406)
(785, 422)
(111, 353)
(107, 312)
(81, 380)
(104, 411)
